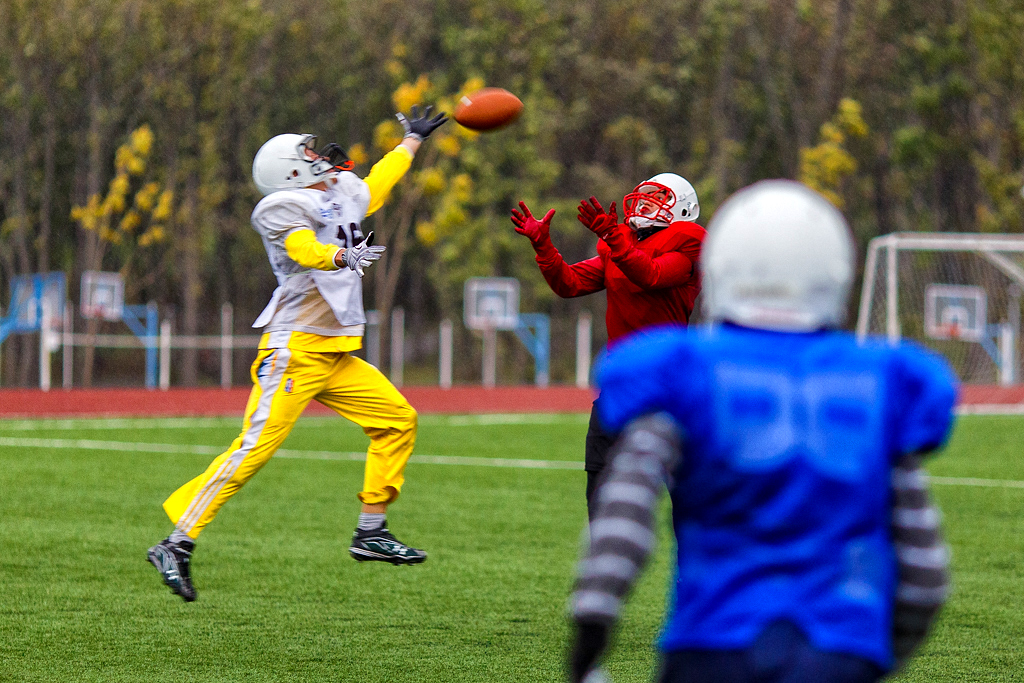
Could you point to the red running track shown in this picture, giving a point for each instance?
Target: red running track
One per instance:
(467, 399)
(981, 394)
(186, 402)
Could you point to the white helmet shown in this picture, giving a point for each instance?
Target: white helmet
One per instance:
(664, 199)
(282, 164)
(778, 256)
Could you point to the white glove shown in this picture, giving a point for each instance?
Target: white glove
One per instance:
(362, 255)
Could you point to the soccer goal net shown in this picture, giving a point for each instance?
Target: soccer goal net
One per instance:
(957, 293)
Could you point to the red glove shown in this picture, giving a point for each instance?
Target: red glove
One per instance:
(526, 224)
(592, 215)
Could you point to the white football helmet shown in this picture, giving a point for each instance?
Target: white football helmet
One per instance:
(282, 164)
(661, 200)
(778, 256)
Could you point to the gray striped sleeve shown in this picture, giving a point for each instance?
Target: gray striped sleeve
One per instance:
(622, 532)
(922, 558)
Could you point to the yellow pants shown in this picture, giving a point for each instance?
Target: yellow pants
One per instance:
(284, 381)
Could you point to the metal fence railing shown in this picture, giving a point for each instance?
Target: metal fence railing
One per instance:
(159, 343)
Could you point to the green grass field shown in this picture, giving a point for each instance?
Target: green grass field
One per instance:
(280, 600)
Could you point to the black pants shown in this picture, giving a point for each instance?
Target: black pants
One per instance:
(599, 443)
(781, 654)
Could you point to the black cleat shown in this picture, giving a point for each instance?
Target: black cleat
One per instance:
(378, 545)
(172, 560)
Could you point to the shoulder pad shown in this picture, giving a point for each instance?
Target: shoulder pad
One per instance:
(691, 230)
(351, 184)
(289, 200)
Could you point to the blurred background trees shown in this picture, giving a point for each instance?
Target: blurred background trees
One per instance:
(909, 114)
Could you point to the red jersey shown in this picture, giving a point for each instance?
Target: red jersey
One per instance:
(651, 281)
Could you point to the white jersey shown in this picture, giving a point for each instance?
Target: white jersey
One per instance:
(324, 302)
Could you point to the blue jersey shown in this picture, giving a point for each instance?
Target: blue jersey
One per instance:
(781, 500)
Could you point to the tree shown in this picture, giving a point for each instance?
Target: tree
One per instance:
(127, 224)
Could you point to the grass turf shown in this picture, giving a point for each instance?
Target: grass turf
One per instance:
(280, 600)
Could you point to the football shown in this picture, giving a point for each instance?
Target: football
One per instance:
(488, 109)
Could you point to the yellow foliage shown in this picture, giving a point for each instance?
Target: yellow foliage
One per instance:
(108, 235)
(465, 133)
(130, 221)
(831, 134)
(146, 197)
(123, 158)
(115, 201)
(163, 207)
(357, 153)
(462, 187)
(387, 135)
(136, 165)
(81, 215)
(471, 86)
(449, 145)
(850, 118)
(825, 166)
(118, 186)
(399, 50)
(445, 104)
(409, 94)
(88, 215)
(152, 236)
(131, 157)
(426, 233)
(100, 213)
(449, 216)
(431, 180)
(394, 68)
(142, 140)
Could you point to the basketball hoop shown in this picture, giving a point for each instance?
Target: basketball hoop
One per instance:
(955, 312)
(491, 303)
(102, 296)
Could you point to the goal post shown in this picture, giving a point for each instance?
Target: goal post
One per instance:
(957, 293)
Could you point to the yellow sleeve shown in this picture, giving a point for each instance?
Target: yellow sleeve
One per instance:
(385, 173)
(304, 249)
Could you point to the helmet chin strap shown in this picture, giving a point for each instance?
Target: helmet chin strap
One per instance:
(637, 223)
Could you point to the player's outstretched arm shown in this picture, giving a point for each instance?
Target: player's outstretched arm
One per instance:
(538, 231)
(598, 221)
(418, 128)
(390, 169)
(585, 277)
(668, 270)
(921, 556)
(621, 534)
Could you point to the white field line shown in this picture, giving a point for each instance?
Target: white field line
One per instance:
(520, 463)
(144, 447)
(991, 409)
(973, 481)
(96, 445)
(45, 425)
